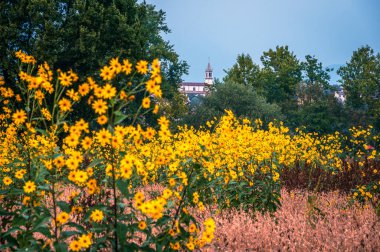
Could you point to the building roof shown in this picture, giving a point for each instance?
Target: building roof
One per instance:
(192, 84)
(195, 92)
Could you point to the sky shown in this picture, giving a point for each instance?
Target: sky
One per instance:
(219, 30)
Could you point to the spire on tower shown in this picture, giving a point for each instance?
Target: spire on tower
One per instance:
(209, 78)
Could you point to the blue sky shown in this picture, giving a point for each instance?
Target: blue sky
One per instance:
(220, 29)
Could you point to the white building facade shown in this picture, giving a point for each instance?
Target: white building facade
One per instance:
(198, 88)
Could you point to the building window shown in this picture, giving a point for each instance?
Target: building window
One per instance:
(193, 88)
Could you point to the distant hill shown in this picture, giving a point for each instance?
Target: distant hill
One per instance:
(334, 76)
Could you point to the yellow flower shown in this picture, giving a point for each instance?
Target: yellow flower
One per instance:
(59, 162)
(26, 200)
(102, 119)
(29, 187)
(175, 246)
(163, 121)
(46, 114)
(155, 110)
(7, 180)
(192, 228)
(103, 137)
(146, 102)
(100, 106)
(19, 117)
(107, 73)
(62, 218)
(126, 67)
(72, 163)
(115, 65)
(142, 67)
(108, 91)
(64, 105)
(85, 241)
(97, 215)
(167, 193)
(172, 182)
(84, 89)
(81, 176)
(156, 67)
(86, 143)
(72, 140)
(75, 246)
(139, 196)
(190, 246)
(65, 79)
(142, 225)
(20, 173)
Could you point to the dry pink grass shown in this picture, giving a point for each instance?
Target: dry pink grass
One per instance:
(341, 228)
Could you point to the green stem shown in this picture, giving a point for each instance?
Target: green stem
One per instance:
(114, 202)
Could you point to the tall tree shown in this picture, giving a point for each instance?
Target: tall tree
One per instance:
(84, 35)
(315, 81)
(361, 83)
(244, 72)
(314, 73)
(281, 74)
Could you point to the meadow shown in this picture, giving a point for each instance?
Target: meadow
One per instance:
(87, 184)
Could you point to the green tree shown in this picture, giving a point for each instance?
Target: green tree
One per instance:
(244, 72)
(360, 78)
(281, 74)
(325, 115)
(84, 35)
(314, 72)
(315, 83)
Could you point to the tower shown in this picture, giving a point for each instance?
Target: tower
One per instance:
(209, 80)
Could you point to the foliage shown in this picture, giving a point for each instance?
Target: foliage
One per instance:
(242, 100)
(281, 74)
(361, 83)
(325, 115)
(244, 72)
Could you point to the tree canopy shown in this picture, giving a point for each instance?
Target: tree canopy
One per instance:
(361, 83)
(84, 35)
(242, 100)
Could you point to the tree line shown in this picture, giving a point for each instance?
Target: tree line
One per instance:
(297, 91)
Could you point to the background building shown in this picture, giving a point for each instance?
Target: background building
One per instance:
(196, 89)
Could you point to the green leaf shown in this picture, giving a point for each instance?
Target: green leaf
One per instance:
(60, 247)
(43, 132)
(41, 222)
(12, 192)
(119, 117)
(123, 185)
(44, 187)
(45, 231)
(64, 206)
(11, 230)
(79, 228)
(66, 234)
(41, 174)
(163, 220)
(95, 162)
